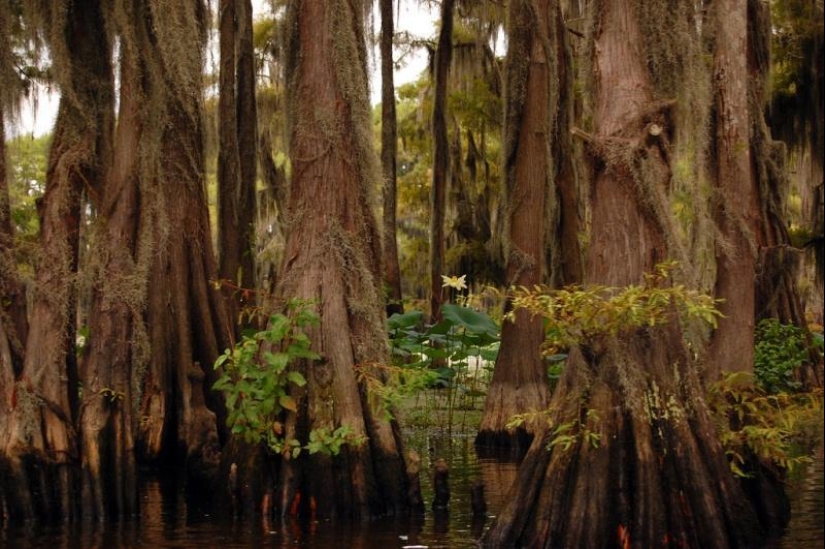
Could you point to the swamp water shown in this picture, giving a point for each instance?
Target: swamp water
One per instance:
(169, 520)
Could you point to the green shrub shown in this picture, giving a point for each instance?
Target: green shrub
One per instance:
(255, 379)
(780, 349)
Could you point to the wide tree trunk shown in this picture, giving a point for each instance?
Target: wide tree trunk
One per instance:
(237, 154)
(40, 454)
(532, 97)
(186, 317)
(332, 259)
(389, 155)
(118, 348)
(441, 158)
(643, 466)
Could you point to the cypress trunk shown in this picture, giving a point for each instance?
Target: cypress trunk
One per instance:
(644, 466)
(332, 259)
(40, 454)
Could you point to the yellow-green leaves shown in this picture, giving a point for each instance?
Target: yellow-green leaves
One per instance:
(575, 314)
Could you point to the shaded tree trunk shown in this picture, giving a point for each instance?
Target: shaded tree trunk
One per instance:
(532, 97)
(237, 155)
(14, 324)
(186, 318)
(644, 467)
(778, 262)
(737, 201)
(40, 453)
(107, 420)
(389, 156)
(441, 158)
(332, 259)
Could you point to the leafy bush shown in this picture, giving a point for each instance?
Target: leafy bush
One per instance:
(454, 354)
(255, 380)
(777, 428)
(780, 350)
(575, 315)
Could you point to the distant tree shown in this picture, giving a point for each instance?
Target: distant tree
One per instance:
(389, 159)
(13, 318)
(441, 156)
(237, 153)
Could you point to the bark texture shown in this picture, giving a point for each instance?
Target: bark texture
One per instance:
(187, 324)
(39, 456)
(237, 154)
(441, 158)
(644, 467)
(389, 155)
(332, 259)
(737, 207)
(519, 381)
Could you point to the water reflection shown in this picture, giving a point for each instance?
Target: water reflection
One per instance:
(808, 503)
(168, 519)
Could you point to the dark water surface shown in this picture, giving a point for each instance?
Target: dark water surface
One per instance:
(169, 520)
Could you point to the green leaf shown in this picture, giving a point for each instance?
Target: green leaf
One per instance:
(296, 378)
(470, 319)
(288, 403)
(399, 321)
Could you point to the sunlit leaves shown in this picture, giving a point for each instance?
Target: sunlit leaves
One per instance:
(576, 314)
(772, 426)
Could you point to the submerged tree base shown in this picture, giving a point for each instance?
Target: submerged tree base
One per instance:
(632, 459)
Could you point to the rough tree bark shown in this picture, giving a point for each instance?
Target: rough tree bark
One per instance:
(237, 154)
(389, 154)
(441, 157)
(656, 474)
(117, 349)
(737, 201)
(14, 324)
(532, 97)
(186, 317)
(332, 259)
(40, 452)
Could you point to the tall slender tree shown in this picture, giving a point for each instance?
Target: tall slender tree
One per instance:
(737, 205)
(389, 156)
(237, 153)
(441, 156)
